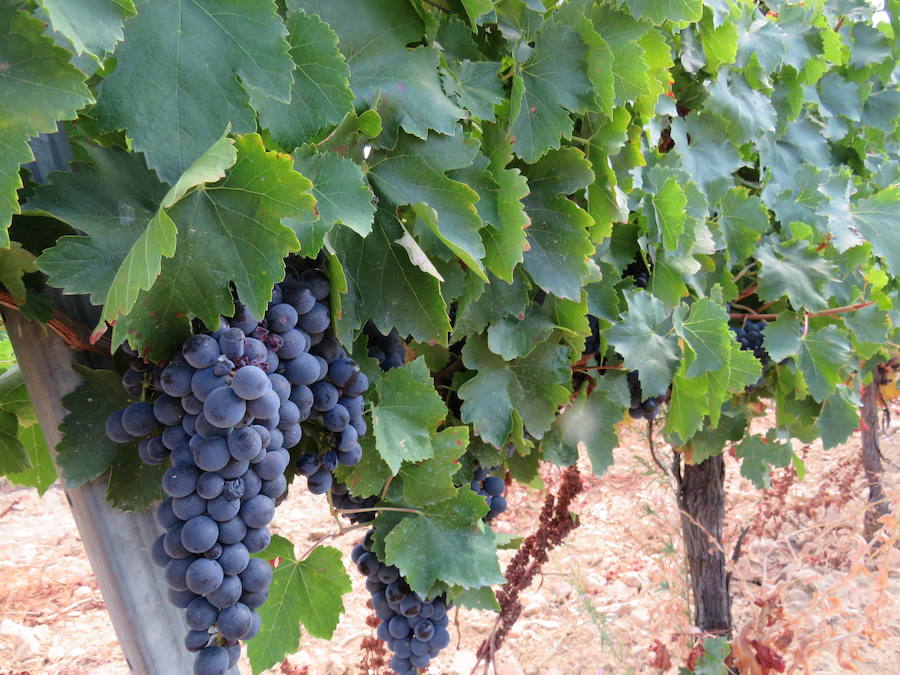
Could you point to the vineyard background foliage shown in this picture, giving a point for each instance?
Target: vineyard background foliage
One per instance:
(483, 177)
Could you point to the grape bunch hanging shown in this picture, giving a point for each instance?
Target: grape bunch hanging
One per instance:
(224, 412)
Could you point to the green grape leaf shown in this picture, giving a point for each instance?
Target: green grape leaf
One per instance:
(431, 480)
(215, 226)
(369, 476)
(705, 329)
(341, 192)
(42, 473)
(308, 592)
(743, 220)
(513, 337)
(15, 262)
(839, 417)
(407, 412)
(706, 153)
(477, 598)
(186, 70)
(476, 8)
(320, 94)
(13, 456)
(668, 211)
(461, 549)
(475, 86)
(403, 83)
(84, 452)
(378, 272)
(797, 271)
(504, 243)
(712, 661)
(823, 355)
(630, 67)
(758, 455)
(38, 87)
(869, 326)
(660, 11)
(92, 26)
(878, 220)
(750, 113)
(644, 339)
(589, 422)
(14, 396)
(553, 83)
(782, 338)
(534, 387)
(559, 237)
(415, 173)
(484, 304)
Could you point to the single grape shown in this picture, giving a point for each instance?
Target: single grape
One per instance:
(138, 419)
(223, 408)
(274, 464)
(300, 297)
(180, 599)
(303, 369)
(180, 481)
(280, 386)
(234, 622)
(258, 511)
(211, 661)
(167, 410)
(325, 396)
(200, 351)
(158, 551)
(308, 464)
(199, 534)
(222, 509)
(210, 485)
(188, 507)
(175, 572)
(200, 614)
(316, 319)
(204, 576)
(234, 469)
(255, 352)
(337, 418)
(204, 381)
(317, 283)
(231, 343)
(274, 488)
(257, 539)
(244, 443)
(228, 593)
(175, 379)
(211, 453)
(292, 436)
(357, 386)
(250, 382)
(264, 407)
(320, 482)
(196, 640)
(257, 576)
(281, 317)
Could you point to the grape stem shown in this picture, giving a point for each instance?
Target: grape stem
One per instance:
(750, 290)
(618, 367)
(743, 272)
(333, 535)
(810, 315)
(74, 334)
(379, 508)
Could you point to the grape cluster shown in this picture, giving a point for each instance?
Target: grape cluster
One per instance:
(389, 350)
(641, 407)
(224, 413)
(414, 629)
(750, 336)
(639, 272)
(342, 499)
(493, 488)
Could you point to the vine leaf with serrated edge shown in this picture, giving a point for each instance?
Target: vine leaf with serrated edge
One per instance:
(44, 88)
(205, 63)
(84, 452)
(308, 592)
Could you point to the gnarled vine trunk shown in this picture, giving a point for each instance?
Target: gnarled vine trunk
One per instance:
(871, 457)
(701, 498)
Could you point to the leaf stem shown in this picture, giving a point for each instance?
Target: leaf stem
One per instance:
(810, 315)
(379, 508)
(333, 535)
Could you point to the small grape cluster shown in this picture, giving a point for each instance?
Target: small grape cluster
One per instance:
(414, 628)
(389, 350)
(224, 413)
(637, 270)
(342, 499)
(641, 407)
(493, 488)
(750, 336)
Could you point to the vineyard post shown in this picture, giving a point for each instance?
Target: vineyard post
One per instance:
(871, 456)
(150, 629)
(701, 500)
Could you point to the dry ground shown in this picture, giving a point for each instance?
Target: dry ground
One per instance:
(803, 584)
